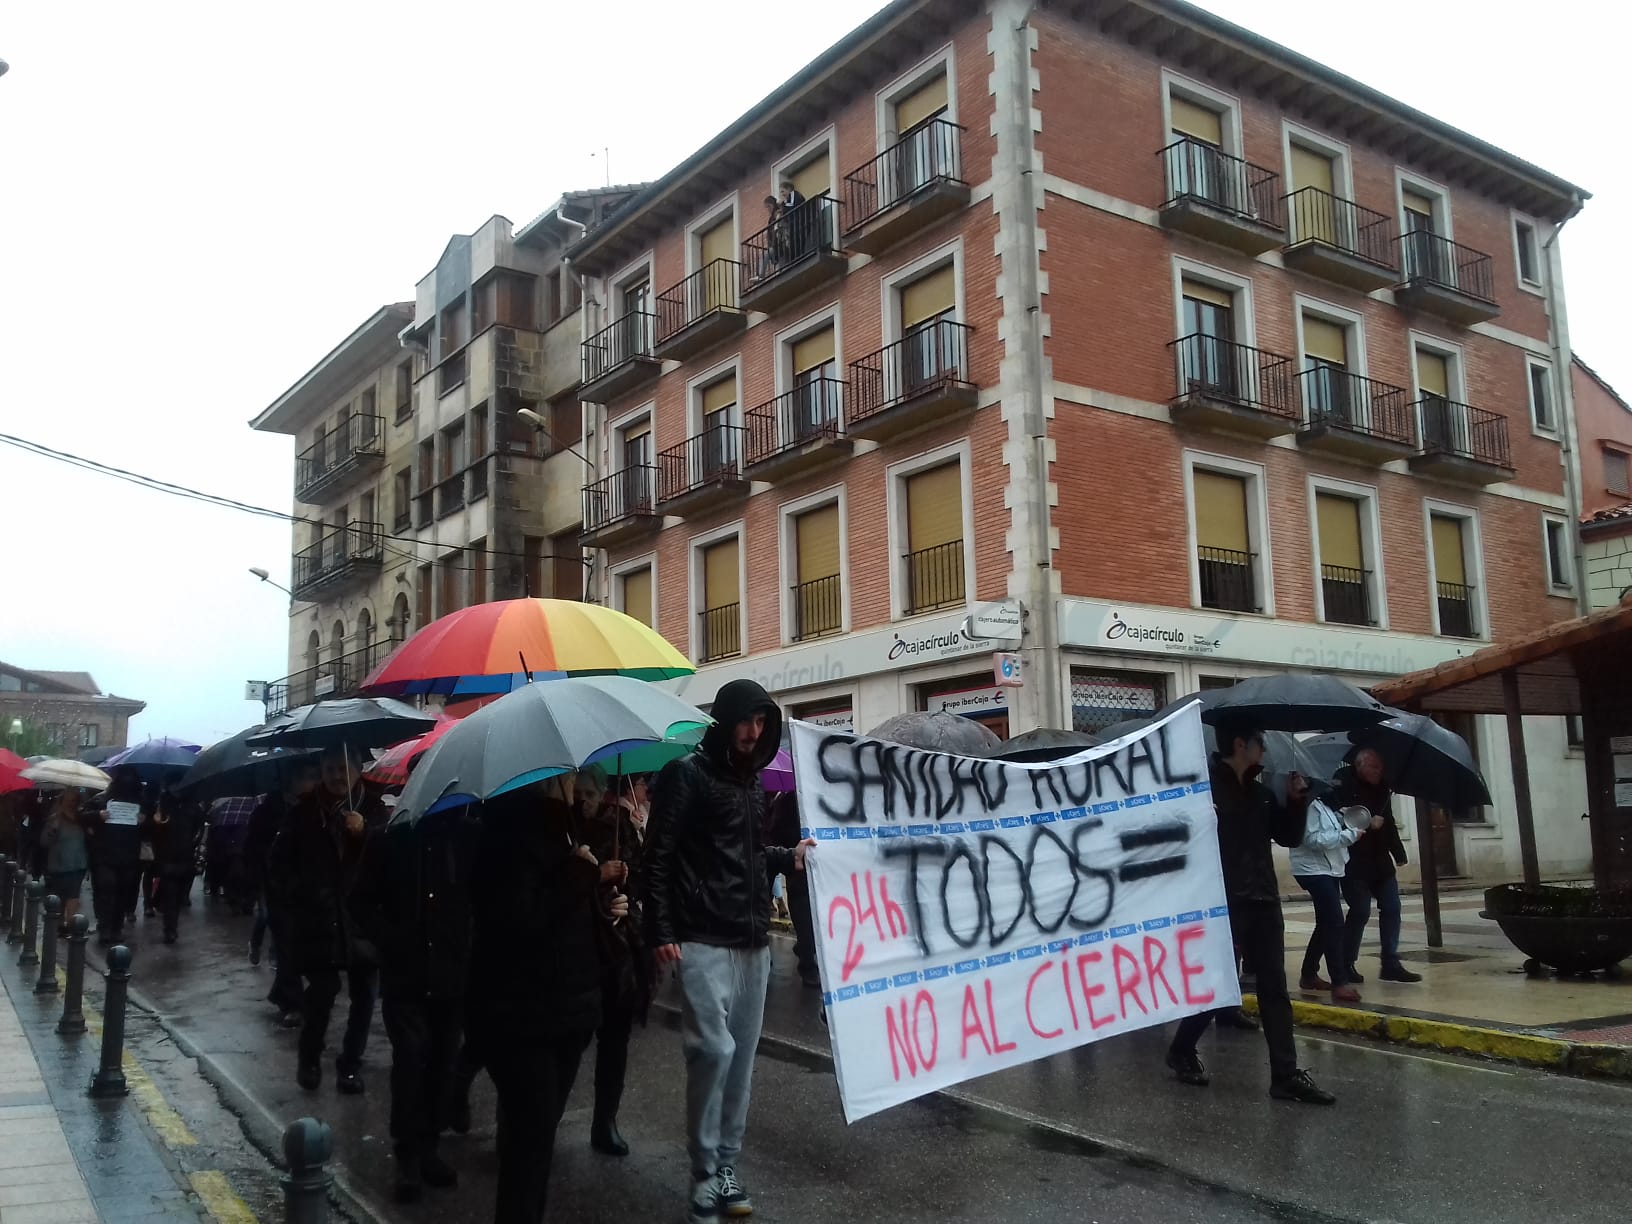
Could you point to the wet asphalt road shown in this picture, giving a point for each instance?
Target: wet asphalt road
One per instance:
(1102, 1133)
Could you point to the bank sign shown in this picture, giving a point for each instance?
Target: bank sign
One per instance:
(1092, 625)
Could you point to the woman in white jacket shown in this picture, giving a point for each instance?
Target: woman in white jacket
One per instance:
(1318, 863)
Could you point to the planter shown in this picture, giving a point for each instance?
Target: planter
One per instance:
(1573, 930)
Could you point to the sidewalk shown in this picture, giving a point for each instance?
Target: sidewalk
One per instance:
(68, 1159)
(1475, 996)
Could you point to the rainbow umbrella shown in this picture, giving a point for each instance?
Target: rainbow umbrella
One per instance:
(498, 647)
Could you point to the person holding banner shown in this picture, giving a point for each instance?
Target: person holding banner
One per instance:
(1249, 818)
(708, 913)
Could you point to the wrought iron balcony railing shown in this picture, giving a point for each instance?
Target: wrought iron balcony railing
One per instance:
(348, 448)
(927, 154)
(930, 357)
(1195, 170)
(1226, 579)
(934, 577)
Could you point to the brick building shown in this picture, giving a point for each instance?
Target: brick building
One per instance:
(75, 715)
(1177, 356)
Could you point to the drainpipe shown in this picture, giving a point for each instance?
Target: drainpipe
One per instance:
(1558, 335)
(594, 577)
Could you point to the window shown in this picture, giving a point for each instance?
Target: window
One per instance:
(635, 595)
(453, 450)
(1345, 578)
(930, 352)
(1541, 396)
(405, 390)
(934, 560)
(567, 578)
(552, 298)
(88, 735)
(515, 299)
(1328, 391)
(532, 567)
(1196, 164)
(477, 560)
(1101, 699)
(720, 624)
(402, 499)
(1423, 220)
(1453, 586)
(718, 455)
(368, 407)
(1556, 538)
(1617, 472)
(1207, 350)
(1575, 735)
(1317, 210)
(1224, 556)
(1526, 253)
(818, 594)
(423, 592)
(810, 177)
(813, 361)
(453, 328)
(921, 153)
(479, 450)
(427, 482)
(450, 575)
(482, 300)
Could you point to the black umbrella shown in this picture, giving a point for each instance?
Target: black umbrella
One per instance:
(355, 722)
(1292, 702)
(938, 731)
(1284, 753)
(232, 768)
(1424, 760)
(1044, 744)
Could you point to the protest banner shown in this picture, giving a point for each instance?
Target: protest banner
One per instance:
(973, 915)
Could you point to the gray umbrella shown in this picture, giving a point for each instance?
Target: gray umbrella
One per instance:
(356, 722)
(549, 728)
(1292, 702)
(1044, 744)
(938, 731)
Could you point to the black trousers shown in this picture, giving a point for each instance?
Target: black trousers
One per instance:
(424, 1037)
(110, 885)
(322, 988)
(534, 1079)
(1259, 933)
(804, 922)
(172, 889)
(612, 1054)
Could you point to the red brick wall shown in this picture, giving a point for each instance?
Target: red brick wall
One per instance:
(1599, 418)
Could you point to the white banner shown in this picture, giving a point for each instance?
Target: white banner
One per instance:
(974, 915)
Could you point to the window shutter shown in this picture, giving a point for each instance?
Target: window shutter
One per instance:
(1433, 374)
(1311, 169)
(817, 539)
(716, 243)
(637, 595)
(1221, 511)
(1449, 559)
(1190, 119)
(934, 507)
(1339, 522)
(925, 102)
(814, 350)
(720, 575)
(1199, 292)
(813, 178)
(719, 395)
(1325, 340)
(1416, 202)
(927, 297)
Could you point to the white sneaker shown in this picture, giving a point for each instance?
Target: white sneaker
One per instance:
(732, 1198)
(704, 1207)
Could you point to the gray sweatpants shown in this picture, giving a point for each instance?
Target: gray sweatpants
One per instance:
(722, 1009)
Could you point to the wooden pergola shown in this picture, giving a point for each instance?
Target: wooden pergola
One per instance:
(1577, 667)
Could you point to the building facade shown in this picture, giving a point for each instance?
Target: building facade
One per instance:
(1103, 333)
(1604, 423)
(352, 419)
(74, 715)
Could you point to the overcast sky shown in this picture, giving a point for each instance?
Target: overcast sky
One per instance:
(199, 200)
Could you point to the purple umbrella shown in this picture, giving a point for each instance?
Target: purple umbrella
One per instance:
(778, 775)
(155, 760)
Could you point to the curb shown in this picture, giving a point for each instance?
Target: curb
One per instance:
(1578, 1058)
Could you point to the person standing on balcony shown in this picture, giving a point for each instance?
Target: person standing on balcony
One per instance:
(1372, 860)
(775, 239)
(800, 225)
(708, 913)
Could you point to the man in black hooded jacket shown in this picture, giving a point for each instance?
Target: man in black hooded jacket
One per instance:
(708, 912)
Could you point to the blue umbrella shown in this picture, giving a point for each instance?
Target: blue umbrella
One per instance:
(154, 760)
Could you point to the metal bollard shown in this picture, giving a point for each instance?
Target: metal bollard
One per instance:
(19, 882)
(31, 924)
(109, 1080)
(7, 866)
(307, 1146)
(73, 1018)
(47, 981)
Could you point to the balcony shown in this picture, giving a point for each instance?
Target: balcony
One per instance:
(1222, 199)
(621, 507)
(1446, 279)
(905, 189)
(1462, 443)
(1346, 595)
(818, 608)
(1232, 388)
(719, 633)
(795, 255)
(1455, 610)
(339, 677)
(919, 381)
(1226, 579)
(703, 471)
(342, 555)
(355, 448)
(934, 578)
(1339, 240)
(700, 311)
(797, 431)
(619, 358)
(1354, 418)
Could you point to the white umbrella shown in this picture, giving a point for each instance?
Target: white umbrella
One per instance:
(60, 772)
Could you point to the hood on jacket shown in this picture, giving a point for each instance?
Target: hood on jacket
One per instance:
(735, 702)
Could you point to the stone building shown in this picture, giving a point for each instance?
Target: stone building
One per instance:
(75, 714)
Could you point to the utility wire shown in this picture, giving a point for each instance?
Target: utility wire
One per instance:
(229, 503)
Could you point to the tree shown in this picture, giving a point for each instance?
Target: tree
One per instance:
(28, 738)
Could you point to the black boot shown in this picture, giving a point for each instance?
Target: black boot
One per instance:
(438, 1173)
(309, 1076)
(409, 1187)
(605, 1138)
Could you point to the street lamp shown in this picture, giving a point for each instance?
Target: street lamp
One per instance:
(267, 578)
(543, 427)
(16, 723)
